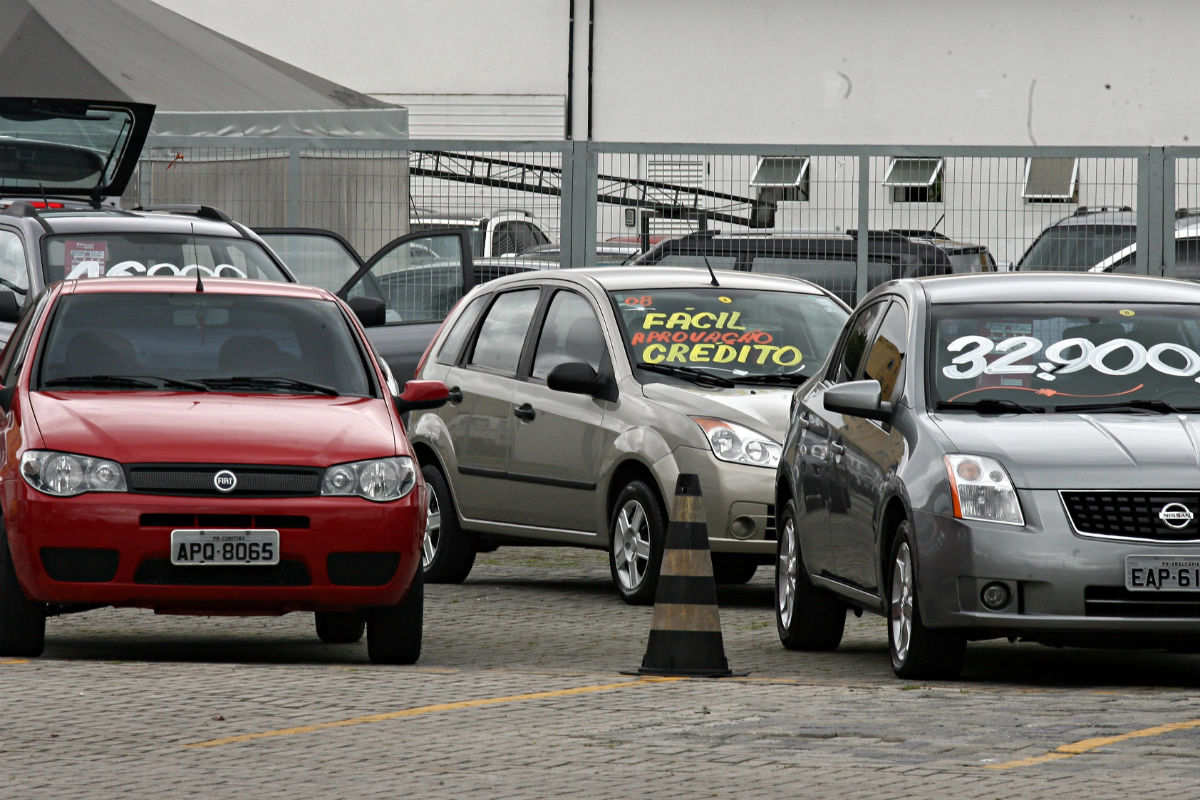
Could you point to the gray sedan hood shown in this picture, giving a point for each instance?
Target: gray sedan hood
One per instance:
(765, 409)
(1084, 451)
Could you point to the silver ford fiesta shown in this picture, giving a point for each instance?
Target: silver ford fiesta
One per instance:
(1013, 455)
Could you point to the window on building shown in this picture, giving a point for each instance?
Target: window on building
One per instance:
(915, 180)
(1051, 180)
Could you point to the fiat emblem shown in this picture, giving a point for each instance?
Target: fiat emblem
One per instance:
(1175, 515)
(226, 481)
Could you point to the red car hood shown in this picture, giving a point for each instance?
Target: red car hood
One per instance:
(132, 427)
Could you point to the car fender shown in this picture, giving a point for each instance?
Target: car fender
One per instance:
(642, 445)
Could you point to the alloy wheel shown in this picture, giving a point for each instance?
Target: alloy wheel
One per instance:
(787, 573)
(901, 616)
(631, 545)
(433, 530)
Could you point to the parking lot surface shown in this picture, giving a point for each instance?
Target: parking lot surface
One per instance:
(523, 690)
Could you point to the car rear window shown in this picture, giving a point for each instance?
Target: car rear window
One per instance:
(1076, 247)
(168, 255)
(197, 336)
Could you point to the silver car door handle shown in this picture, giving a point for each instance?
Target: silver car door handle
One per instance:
(837, 448)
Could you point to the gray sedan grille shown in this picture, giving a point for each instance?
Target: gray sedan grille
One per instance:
(1135, 515)
(197, 480)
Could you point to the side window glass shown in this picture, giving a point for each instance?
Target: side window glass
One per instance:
(885, 359)
(571, 332)
(502, 334)
(419, 280)
(853, 346)
(13, 354)
(14, 270)
(452, 346)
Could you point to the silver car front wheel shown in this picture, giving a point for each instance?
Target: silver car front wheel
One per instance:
(636, 543)
(447, 551)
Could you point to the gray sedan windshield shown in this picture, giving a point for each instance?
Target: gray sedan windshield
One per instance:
(1065, 357)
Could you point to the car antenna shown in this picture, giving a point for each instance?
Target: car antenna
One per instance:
(710, 270)
(195, 251)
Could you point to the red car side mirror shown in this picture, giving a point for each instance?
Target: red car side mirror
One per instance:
(421, 395)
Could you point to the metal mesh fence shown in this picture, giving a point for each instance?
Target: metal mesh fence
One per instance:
(750, 207)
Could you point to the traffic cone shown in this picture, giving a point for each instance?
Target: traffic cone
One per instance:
(685, 635)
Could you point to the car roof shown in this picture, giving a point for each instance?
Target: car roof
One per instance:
(237, 286)
(625, 278)
(1027, 287)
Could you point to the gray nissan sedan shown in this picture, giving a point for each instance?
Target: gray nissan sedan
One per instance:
(1012, 455)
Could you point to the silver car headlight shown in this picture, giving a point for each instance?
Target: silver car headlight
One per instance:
(67, 474)
(982, 490)
(380, 479)
(739, 444)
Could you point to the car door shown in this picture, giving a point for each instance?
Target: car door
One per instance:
(481, 387)
(871, 452)
(824, 480)
(419, 277)
(559, 437)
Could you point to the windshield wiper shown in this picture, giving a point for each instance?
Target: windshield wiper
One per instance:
(790, 379)
(688, 373)
(1128, 405)
(271, 382)
(133, 381)
(991, 405)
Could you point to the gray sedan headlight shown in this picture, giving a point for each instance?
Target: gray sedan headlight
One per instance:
(739, 444)
(67, 474)
(380, 479)
(982, 490)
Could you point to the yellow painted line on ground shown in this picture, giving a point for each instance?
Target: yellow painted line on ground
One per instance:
(418, 711)
(15, 661)
(1076, 748)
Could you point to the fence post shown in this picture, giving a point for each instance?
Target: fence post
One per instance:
(578, 211)
(1168, 211)
(1151, 210)
(864, 228)
(293, 186)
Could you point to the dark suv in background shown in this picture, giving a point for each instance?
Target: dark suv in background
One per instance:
(827, 259)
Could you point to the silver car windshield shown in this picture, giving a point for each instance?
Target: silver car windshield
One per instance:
(1047, 357)
(730, 332)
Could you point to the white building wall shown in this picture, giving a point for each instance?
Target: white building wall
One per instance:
(1067, 72)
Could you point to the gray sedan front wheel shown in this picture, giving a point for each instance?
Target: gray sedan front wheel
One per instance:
(447, 551)
(917, 651)
(808, 618)
(638, 533)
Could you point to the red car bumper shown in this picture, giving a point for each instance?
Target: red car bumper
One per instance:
(335, 553)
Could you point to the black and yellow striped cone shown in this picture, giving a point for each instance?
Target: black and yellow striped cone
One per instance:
(685, 636)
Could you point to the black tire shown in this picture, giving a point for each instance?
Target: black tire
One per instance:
(394, 632)
(637, 534)
(22, 622)
(917, 652)
(733, 567)
(447, 551)
(807, 617)
(340, 627)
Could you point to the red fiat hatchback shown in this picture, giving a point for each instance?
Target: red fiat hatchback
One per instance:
(230, 447)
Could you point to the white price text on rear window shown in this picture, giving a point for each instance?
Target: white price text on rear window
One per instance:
(95, 268)
(1028, 355)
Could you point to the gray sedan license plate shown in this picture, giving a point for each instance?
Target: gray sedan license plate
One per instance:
(1162, 573)
(243, 547)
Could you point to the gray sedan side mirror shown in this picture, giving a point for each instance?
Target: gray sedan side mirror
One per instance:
(10, 309)
(578, 377)
(858, 399)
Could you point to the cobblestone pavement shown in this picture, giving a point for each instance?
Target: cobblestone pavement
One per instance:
(521, 692)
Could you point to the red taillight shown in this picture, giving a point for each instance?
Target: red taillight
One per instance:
(44, 204)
